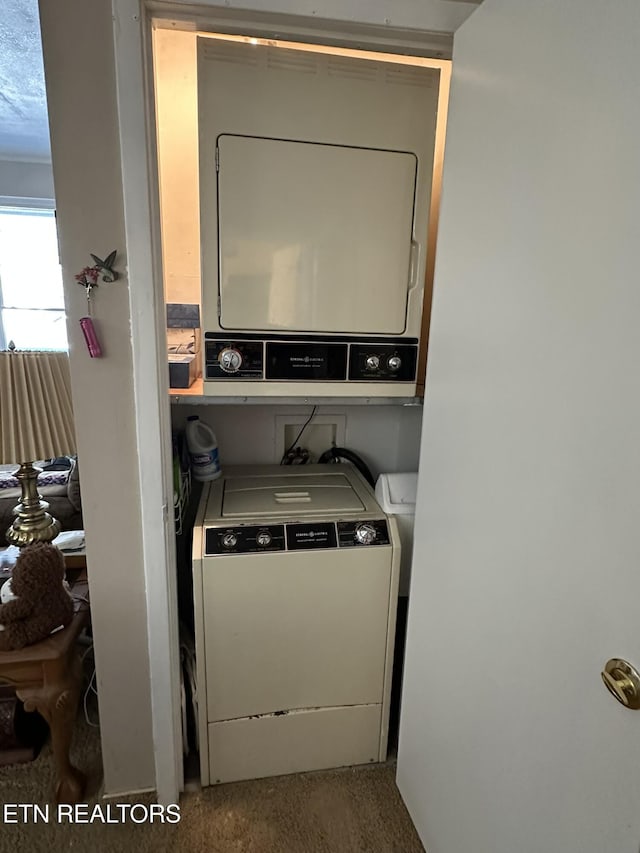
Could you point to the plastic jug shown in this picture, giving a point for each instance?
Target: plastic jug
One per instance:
(203, 449)
(396, 494)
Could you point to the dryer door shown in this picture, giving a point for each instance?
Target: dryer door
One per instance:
(314, 237)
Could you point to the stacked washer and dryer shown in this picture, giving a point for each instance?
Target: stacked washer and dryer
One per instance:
(295, 588)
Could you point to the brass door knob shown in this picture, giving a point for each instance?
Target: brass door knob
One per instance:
(623, 681)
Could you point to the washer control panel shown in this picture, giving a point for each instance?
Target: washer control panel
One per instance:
(303, 536)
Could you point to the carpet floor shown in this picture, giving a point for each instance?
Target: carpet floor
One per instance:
(352, 810)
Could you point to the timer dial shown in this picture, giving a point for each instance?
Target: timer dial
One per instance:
(230, 360)
(365, 534)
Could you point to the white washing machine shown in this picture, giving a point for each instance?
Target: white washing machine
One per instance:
(295, 589)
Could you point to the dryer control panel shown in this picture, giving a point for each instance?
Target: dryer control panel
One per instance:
(307, 359)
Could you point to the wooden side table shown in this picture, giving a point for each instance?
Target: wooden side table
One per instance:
(47, 677)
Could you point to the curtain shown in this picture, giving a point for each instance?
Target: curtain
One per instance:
(36, 411)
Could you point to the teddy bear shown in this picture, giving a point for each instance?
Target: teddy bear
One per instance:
(38, 600)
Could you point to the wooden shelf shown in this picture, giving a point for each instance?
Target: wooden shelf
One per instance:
(195, 390)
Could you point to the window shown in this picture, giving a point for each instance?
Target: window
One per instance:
(31, 295)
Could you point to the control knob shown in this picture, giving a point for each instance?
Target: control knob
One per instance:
(229, 540)
(365, 534)
(394, 362)
(230, 360)
(263, 538)
(372, 362)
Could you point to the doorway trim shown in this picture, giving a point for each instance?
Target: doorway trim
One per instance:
(131, 36)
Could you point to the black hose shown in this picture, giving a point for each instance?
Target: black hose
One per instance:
(336, 453)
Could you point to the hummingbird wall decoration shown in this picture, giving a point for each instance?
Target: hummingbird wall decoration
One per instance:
(89, 278)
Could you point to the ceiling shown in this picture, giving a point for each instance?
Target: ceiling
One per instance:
(24, 127)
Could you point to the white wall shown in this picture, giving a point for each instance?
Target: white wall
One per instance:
(79, 71)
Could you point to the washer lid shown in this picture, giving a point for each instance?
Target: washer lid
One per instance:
(271, 496)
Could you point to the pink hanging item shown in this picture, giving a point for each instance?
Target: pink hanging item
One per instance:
(90, 336)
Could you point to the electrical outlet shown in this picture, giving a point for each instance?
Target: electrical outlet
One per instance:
(323, 432)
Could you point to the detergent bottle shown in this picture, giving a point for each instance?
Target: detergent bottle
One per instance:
(203, 449)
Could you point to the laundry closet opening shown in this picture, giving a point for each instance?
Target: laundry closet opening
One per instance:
(299, 192)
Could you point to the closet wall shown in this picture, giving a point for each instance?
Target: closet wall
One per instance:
(387, 437)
